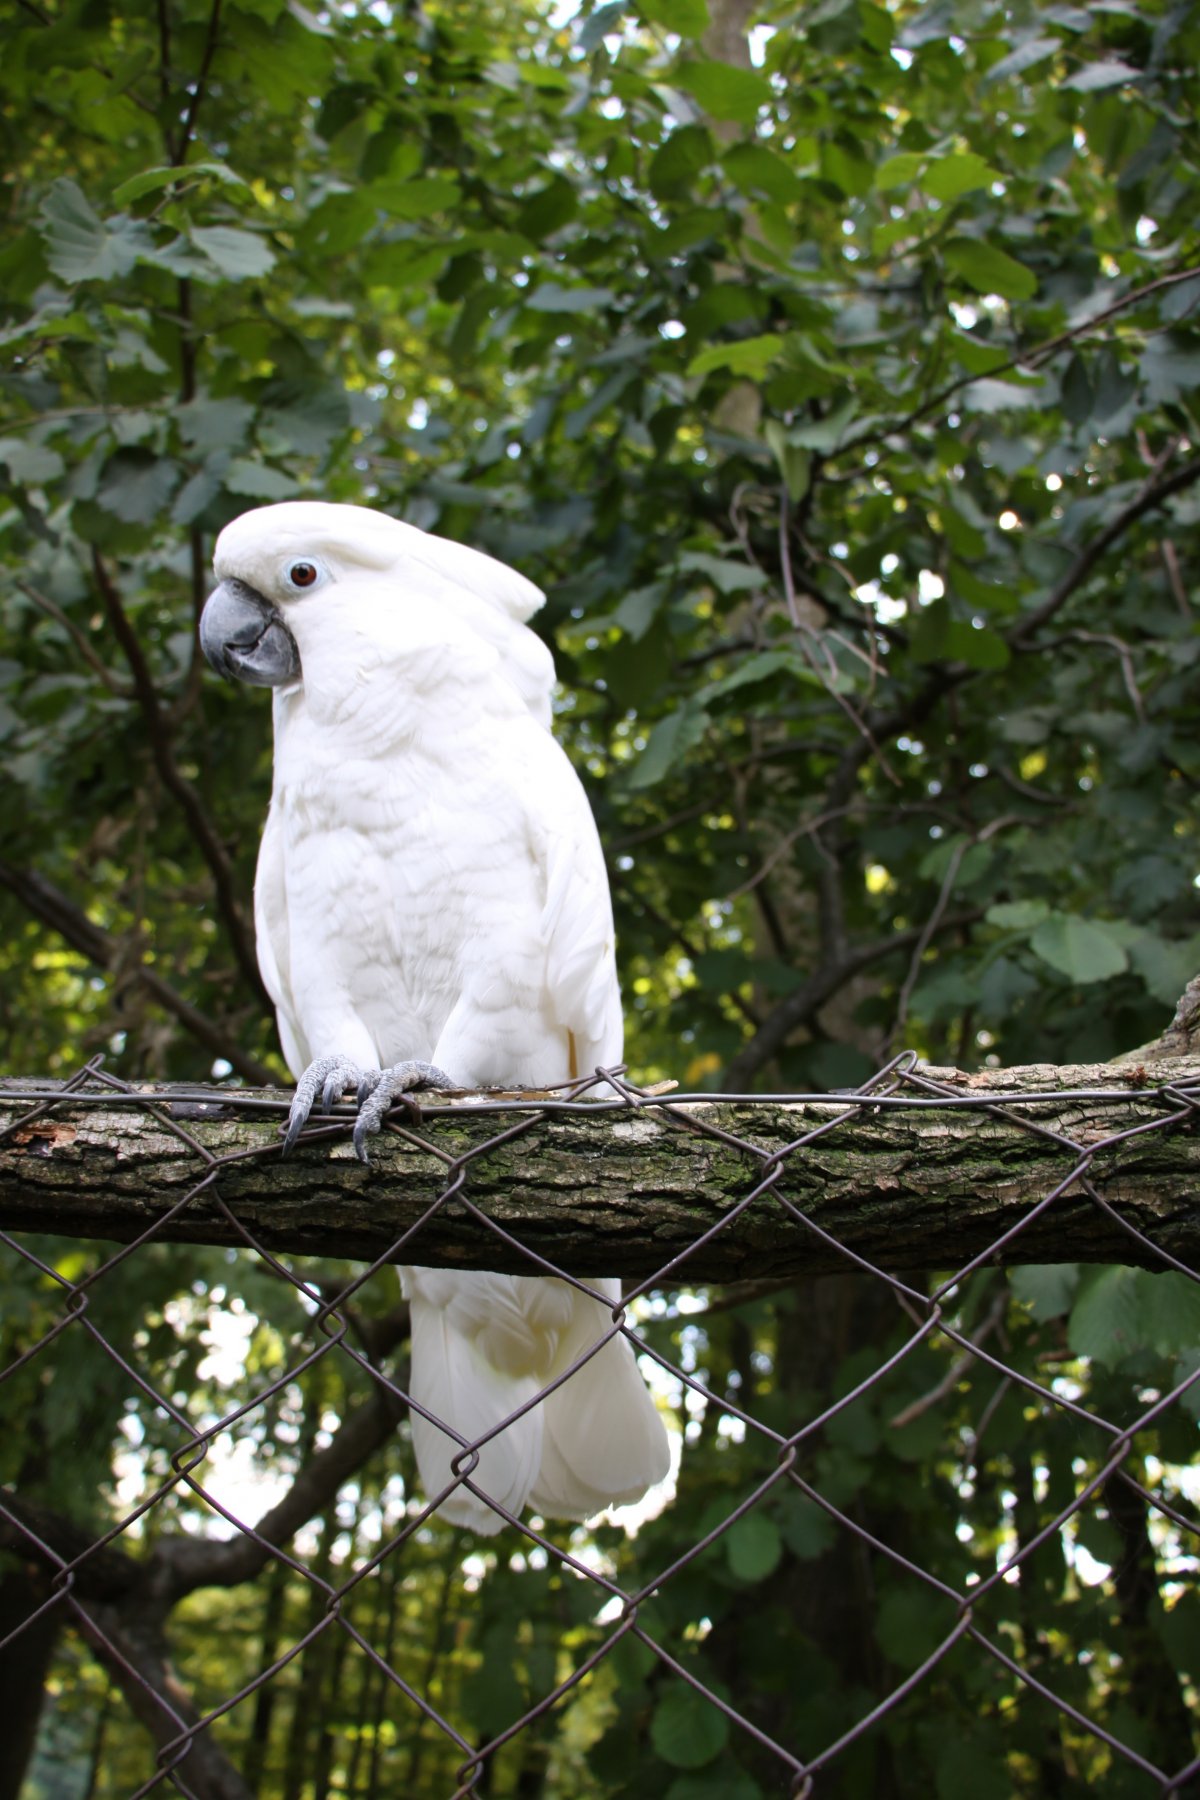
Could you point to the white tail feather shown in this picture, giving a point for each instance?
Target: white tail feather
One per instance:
(603, 1442)
(452, 1381)
(482, 1346)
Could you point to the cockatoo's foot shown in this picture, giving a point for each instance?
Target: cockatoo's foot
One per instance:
(376, 1090)
(380, 1088)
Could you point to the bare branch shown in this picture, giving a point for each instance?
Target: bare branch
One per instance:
(80, 639)
(801, 1006)
(1153, 493)
(49, 904)
(158, 731)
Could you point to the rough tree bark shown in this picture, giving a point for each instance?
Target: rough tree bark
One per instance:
(904, 1181)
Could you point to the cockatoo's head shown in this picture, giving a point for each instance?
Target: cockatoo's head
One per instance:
(279, 567)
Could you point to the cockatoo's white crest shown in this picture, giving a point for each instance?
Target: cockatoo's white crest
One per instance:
(431, 891)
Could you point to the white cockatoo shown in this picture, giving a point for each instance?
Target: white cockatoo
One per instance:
(432, 907)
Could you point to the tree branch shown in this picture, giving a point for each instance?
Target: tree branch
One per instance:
(1021, 359)
(1153, 494)
(49, 904)
(803, 1003)
(158, 732)
(80, 639)
(933, 1175)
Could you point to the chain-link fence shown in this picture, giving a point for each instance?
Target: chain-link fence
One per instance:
(118, 1588)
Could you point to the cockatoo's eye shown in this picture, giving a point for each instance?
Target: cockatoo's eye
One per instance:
(303, 574)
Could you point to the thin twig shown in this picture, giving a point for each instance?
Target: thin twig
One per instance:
(1124, 656)
(958, 1368)
(934, 919)
(121, 689)
(1153, 494)
(198, 89)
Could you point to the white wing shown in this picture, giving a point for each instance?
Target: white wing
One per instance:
(272, 933)
(576, 922)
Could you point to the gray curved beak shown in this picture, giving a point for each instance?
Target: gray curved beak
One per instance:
(244, 636)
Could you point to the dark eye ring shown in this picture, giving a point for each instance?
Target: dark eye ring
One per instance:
(302, 574)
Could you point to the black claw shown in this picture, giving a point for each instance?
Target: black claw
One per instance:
(361, 1128)
(297, 1120)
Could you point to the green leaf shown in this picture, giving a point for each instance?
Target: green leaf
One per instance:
(938, 637)
(639, 609)
(1169, 366)
(491, 1692)
(982, 595)
(847, 168)
(795, 463)
(750, 356)
(989, 395)
(899, 171)
(1080, 949)
(976, 356)
(756, 170)
(726, 92)
(1107, 1318)
(550, 298)
(726, 575)
(679, 159)
(80, 246)
(824, 435)
(725, 1782)
(548, 209)
(200, 491)
(689, 18)
(137, 486)
(258, 481)
(989, 270)
(807, 1530)
(237, 254)
(1172, 1312)
(909, 1625)
(760, 668)
(753, 1547)
(1046, 1288)
(1024, 56)
(419, 198)
(602, 21)
(1077, 391)
(30, 463)
(667, 745)
(1098, 75)
(1017, 915)
(208, 424)
(1165, 966)
(686, 1729)
(151, 181)
(951, 176)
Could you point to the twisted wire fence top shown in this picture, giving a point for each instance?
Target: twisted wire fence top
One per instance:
(87, 1577)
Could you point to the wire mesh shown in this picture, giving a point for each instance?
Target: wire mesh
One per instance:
(116, 1588)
